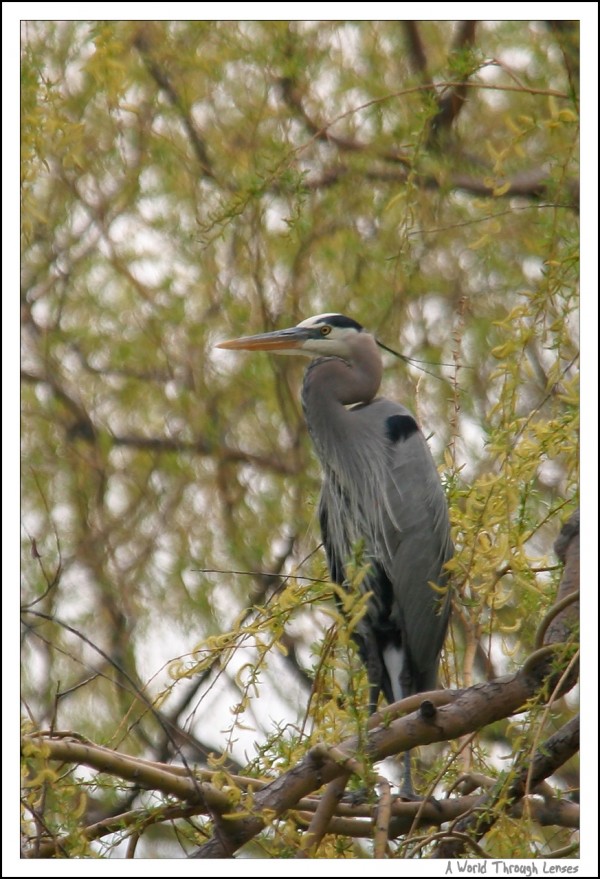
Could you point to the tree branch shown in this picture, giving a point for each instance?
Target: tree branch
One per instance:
(84, 428)
(416, 50)
(142, 42)
(203, 447)
(469, 710)
(451, 101)
(549, 757)
(566, 548)
(533, 185)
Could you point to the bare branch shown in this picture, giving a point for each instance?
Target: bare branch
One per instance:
(146, 775)
(323, 815)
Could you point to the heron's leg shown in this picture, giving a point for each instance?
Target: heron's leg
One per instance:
(360, 796)
(406, 788)
(374, 690)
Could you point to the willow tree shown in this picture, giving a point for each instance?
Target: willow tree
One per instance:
(186, 181)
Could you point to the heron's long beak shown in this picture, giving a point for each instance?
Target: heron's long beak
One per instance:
(280, 340)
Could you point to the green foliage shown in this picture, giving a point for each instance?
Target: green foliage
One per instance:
(187, 181)
(56, 798)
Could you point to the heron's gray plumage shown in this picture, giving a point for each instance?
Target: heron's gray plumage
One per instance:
(385, 494)
(381, 491)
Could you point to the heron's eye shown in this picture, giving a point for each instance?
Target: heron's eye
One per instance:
(325, 330)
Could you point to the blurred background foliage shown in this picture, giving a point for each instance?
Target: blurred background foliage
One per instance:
(189, 181)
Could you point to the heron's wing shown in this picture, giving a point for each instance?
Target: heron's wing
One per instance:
(410, 533)
(335, 549)
(383, 490)
(339, 538)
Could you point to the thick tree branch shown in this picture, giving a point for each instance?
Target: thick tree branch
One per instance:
(355, 821)
(469, 710)
(567, 550)
(147, 775)
(408, 816)
(322, 817)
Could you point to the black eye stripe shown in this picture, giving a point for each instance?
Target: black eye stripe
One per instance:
(340, 320)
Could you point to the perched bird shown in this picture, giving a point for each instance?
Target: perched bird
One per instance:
(381, 492)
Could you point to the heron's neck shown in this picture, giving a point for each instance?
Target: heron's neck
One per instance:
(331, 384)
(331, 380)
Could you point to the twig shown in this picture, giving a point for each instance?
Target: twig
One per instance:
(382, 819)
(322, 817)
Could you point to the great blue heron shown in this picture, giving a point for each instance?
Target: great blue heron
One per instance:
(381, 491)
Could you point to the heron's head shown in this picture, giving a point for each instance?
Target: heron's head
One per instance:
(324, 335)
